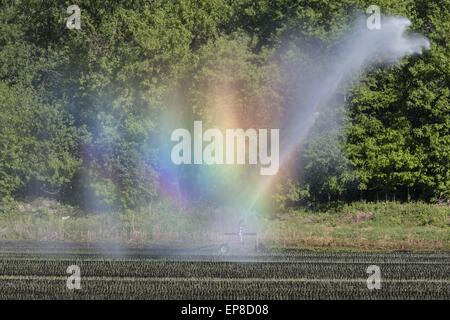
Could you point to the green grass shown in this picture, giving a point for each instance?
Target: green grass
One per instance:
(358, 226)
(383, 226)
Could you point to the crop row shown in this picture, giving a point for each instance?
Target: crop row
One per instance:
(212, 255)
(122, 288)
(184, 269)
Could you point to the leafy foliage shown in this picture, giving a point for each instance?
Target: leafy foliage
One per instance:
(82, 112)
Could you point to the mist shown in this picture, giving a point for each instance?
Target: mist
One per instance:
(356, 52)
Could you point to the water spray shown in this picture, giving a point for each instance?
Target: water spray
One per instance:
(361, 49)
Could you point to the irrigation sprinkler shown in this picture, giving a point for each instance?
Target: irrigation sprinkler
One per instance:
(241, 235)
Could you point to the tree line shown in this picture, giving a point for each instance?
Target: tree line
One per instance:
(83, 112)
